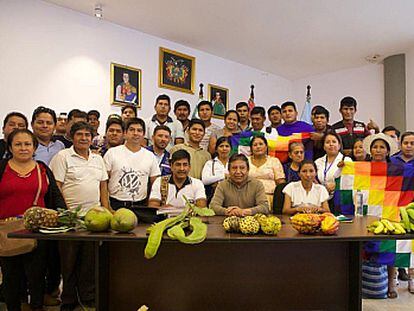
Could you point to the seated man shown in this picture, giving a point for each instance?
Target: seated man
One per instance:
(168, 191)
(239, 195)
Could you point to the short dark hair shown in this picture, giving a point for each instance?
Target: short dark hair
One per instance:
(180, 103)
(204, 103)
(274, 107)
(15, 114)
(228, 112)
(135, 121)
(42, 109)
(76, 113)
(112, 121)
(238, 156)
(348, 101)
(161, 128)
(196, 121)
(289, 103)
(391, 128)
(134, 109)
(320, 110)
(163, 97)
(21, 131)
(307, 161)
(81, 125)
(258, 110)
(241, 104)
(94, 113)
(405, 134)
(179, 155)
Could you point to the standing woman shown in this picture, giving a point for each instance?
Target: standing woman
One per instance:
(23, 183)
(267, 169)
(380, 146)
(216, 170)
(231, 121)
(296, 155)
(329, 165)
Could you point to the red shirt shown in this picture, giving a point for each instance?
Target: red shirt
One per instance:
(18, 193)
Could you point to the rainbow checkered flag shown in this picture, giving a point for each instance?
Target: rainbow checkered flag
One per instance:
(386, 187)
(277, 148)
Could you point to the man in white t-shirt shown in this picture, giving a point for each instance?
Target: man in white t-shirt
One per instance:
(129, 167)
(82, 178)
(168, 191)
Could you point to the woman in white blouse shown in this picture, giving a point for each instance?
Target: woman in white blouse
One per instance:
(305, 195)
(330, 165)
(215, 170)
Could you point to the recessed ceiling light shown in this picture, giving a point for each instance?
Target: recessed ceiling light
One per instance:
(98, 11)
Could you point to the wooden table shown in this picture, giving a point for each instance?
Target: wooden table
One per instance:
(230, 271)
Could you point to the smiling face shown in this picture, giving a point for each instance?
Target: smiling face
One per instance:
(134, 134)
(379, 151)
(196, 133)
(231, 121)
(358, 151)
(22, 147)
(43, 126)
(180, 168)
(82, 140)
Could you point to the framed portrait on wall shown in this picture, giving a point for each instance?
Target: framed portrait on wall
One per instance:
(176, 71)
(219, 97)
(125, 85)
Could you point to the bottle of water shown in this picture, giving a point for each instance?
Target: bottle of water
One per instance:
(359, 203)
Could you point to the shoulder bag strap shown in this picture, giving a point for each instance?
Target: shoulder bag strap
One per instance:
(164, 189)
(39, 189)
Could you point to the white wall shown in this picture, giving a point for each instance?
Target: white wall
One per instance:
(365, 84)
(409, 74)
(59, 58)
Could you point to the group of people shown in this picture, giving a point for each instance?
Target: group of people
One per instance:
(155, 161)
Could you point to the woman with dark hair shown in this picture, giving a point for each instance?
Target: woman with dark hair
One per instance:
(305, 195)
(25, 182)
(216, 170)
(296, 153)
(231, 121)
(267, 169)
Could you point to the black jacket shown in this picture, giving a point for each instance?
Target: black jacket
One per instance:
(53, 196)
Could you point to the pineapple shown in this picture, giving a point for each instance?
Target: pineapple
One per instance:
(37, 217)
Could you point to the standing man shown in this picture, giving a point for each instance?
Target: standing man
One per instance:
(161, 117)
(61, 124)
(161, 139)
(242, 109)
(114, 135)
(274, 113)
(177, 185)
(74, 116)
(82, 178)
(182, 111)
(258, 118)
(205, 112)
(129, 167)
(291, 126)
(348, 128)
(14, 120)
(320, 119)
(128, 112)
(93, 120)
(43, 125)
(199, 156)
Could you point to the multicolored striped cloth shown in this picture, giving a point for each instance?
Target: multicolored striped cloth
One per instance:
(277, 147)
(386, 187)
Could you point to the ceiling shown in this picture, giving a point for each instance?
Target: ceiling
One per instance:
(290, 38)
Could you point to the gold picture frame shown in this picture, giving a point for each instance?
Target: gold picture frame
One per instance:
(126, 85)
(221, 105)
(176, 71)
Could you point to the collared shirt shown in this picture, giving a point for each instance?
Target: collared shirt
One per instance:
(175, 126)
(398, 159)
(192, 188)
(247, 128)
(80, 178)
(46, 153)
(350, 134)
(163, 161)
(199, 157)
(250, 195)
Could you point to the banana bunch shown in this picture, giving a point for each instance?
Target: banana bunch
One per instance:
(384, 226)
(407, 217)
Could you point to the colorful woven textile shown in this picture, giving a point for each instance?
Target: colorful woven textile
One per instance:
(276, 147)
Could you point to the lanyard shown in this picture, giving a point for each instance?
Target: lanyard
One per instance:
(327, 168)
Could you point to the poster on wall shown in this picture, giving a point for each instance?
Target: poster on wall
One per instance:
(176, 71)
(219, 97)
(125, 85)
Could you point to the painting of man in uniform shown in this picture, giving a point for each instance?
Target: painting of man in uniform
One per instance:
(126, 85)
(219, 98)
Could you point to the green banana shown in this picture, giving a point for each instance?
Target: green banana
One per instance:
(410, 213)
(405, 218)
